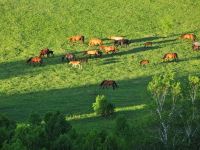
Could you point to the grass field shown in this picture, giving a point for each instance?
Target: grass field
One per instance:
(26, 27)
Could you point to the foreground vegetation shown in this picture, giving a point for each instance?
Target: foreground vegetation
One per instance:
(175, 126)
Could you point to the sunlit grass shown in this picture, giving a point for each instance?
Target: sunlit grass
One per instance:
(118, 109)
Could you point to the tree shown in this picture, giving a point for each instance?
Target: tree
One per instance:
(102, 106)
(7, 128)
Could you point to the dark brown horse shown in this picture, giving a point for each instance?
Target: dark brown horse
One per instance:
(122, 42)
(68, 57)
(77, 38)
(35, 60)
(170, 56)
(108, 83)
(47, 52)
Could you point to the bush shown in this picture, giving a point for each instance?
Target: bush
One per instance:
(102, 106)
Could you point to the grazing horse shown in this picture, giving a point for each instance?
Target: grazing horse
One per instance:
(189, 36)
(116, 38)
(122, 42)
(196, 46)
(108, 83)
(76, 64)
(77, 38)
(68, 57)
(108, 49)
(92, 53)
(95, 41)
(170, 56)
(144, 62)
(147, 44)
(35, 60)
(47, 52)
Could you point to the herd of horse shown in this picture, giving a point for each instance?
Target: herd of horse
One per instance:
(117, 41)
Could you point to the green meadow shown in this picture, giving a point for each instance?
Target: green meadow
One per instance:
(26, 27)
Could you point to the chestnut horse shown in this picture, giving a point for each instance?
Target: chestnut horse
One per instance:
(47, 52)
(108, 49)
(77, 38)
(170, 56)
(189, 36)
(68, 57)
(92, 53)
(147, 44)
(144, 62)
(35, 60)
(76, 64)
(95, 41)
(108, 83)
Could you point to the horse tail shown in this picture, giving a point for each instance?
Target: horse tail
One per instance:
(28, 61)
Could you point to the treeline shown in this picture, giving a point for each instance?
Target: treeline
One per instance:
(175, 125)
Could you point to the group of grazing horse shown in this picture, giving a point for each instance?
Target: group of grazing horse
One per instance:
(39, 59)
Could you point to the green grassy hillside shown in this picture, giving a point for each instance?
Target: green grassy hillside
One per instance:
(26, 27)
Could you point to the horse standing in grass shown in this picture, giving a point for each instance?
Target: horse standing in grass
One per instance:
(108, 49)
(196, 46)
(76, 38)
(122, 42)
(144, 62)
(117, 38)
(108, 83)
(189, 36)
(35, 60)
(68, 57)
(95, 41)
(148, 44)
(76, 64)
(95, 53)
(170, 56)
(46, 52)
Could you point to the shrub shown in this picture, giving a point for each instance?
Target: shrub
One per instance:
(102, 106)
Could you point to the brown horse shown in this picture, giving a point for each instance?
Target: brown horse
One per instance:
(196, 46)
(170, 56)
(68, 57)
(108, 83)
(95, 53)
(95, 41)
(147, 44)
(144, 62)
(108, 49)
(47, 52)
(77, 38)
(189, 36)
(35, 60)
